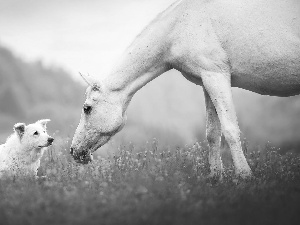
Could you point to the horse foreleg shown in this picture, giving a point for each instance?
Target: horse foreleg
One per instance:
(213, 136)
(218, 87)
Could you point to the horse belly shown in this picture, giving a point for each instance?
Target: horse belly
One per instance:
(276, 74)
(269, 65)
(272, 85)
(272, 69)
(262, 43)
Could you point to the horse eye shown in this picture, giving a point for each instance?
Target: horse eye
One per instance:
(36, 133)
(95, 88)
(87, 109)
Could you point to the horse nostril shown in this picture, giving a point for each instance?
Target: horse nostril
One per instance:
(71, 151)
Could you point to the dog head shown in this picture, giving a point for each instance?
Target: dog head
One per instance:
(33, 136)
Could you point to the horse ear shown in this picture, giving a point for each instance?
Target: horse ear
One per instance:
(91, 81)
(43, 122)
(19, 128)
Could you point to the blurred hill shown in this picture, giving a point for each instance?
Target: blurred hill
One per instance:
(31, 91)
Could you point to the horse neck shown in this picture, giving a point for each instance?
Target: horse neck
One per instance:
(144, 59)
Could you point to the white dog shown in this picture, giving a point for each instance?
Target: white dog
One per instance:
(21, 154)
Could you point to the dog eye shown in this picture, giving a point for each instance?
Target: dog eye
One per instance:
(87, 109)
(36, 133)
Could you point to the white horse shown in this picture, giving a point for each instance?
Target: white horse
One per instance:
(217, 44)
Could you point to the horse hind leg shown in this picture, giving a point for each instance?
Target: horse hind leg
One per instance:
(213, 136)
(218, 87)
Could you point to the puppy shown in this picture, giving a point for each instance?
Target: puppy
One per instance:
(23, 150)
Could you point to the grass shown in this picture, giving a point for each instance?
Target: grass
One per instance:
(153, 185)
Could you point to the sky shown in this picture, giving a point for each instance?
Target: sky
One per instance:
(80, 36)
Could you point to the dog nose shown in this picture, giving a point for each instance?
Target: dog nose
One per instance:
(50, 140)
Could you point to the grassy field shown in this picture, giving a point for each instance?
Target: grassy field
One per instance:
(154, 185)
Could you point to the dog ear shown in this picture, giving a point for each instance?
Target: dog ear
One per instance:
(20, 129)
(44, 122)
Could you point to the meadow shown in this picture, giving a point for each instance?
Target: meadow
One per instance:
(154, 184)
